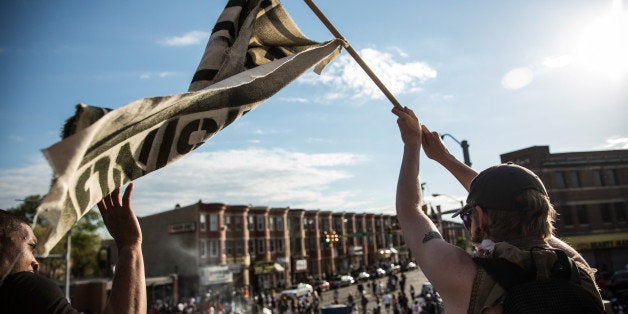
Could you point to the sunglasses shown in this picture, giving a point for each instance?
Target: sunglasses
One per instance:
(466, 219)
(466, 216)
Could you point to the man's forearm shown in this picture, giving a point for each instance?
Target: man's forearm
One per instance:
(461, 171)
(413, 222)
(128, 290)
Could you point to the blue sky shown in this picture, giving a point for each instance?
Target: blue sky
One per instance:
(501, 75)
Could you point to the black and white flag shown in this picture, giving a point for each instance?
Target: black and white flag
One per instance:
(254, 51)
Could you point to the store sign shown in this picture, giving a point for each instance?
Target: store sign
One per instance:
(598, 241)
(182, 227)
(212, 275)
(264, 268)
(300, 265)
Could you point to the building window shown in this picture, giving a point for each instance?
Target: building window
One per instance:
(620, 212)
(280, 245)
(227, 222)
(596, 177)
(260, 223)
(201, 222)
(271, 245)
(213, 222)
(279, 223)
(574, 179)
(606, 213)
(559, 180)
(251, 223)
(229, 246)
(271, 223)
(239, 249)
(610, 177)
(583, 216)
(260, 246)
(251, 246)
(238, 223)
(566, 216)
(202, 247)
(213, 248)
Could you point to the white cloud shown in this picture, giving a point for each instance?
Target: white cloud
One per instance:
(17, 183)
(162, 74)
(558, 62)
(293, 99)
(517, 78)
(262, 177)
(615, 142)
(16, 138)
(187, 39)
(347, 78)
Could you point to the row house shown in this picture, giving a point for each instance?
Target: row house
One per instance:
(219, 247)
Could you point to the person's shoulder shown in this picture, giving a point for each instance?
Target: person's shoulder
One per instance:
(27, 280)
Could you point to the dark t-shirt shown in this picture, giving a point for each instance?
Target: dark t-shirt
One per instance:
(25, 292)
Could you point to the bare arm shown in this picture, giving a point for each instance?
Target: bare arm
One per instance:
(128, 290)
(448, 267)
(435, 149)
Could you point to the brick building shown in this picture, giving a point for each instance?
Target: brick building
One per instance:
(590, 192)
(218, 247)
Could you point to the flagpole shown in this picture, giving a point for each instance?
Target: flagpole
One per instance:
(353, 53)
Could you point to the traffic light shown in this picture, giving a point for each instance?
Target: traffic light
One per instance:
(334, 236)
(327, 236)
(390, 232)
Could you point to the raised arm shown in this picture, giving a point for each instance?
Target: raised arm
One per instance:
(435, 149)
(128, 290)
(449, 268)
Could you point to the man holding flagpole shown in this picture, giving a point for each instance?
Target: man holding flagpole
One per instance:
(510, 218)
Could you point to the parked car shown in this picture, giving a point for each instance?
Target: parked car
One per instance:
(392, 269)
(342, 281)
(411, 265)
(322, 284)
(363, 276)
(298, 291)
(618, 284)
(378, 273)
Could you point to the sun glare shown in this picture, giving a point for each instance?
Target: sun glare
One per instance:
(603, 45)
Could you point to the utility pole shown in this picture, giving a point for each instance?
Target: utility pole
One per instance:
(465, 148)
(68, 248)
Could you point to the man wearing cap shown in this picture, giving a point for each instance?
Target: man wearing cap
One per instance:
(508, 213)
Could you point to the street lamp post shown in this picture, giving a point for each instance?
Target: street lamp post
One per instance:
(465, 148)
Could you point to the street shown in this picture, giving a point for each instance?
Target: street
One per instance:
(414, 278)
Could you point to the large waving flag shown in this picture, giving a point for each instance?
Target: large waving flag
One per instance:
(254, 51)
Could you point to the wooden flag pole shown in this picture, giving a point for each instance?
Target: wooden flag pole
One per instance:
(353, 53)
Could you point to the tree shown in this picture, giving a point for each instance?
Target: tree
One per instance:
(85, 242)
(461, 242)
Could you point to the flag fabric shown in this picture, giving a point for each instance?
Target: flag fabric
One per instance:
(254, 51)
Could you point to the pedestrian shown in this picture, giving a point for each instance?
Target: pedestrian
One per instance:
(23, 291)
(365, 302)
(387, 300)
(412, 292)
(508, 212)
